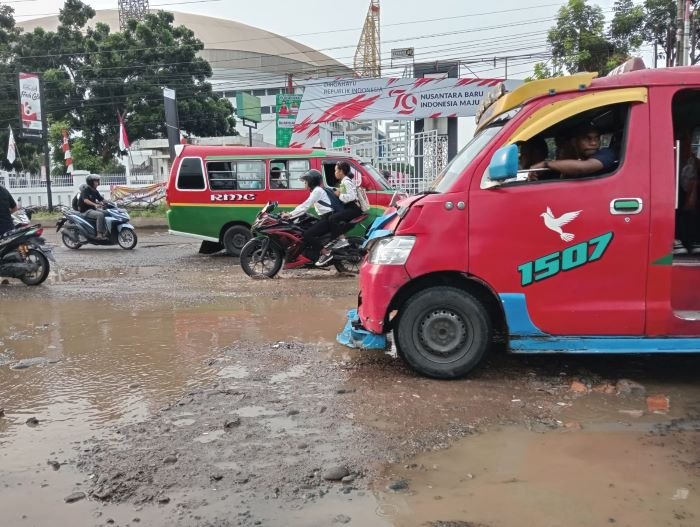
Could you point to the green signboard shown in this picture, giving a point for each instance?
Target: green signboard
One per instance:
(287, 110)
(248, 107)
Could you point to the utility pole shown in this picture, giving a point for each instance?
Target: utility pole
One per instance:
(683, 33)
(47, 152)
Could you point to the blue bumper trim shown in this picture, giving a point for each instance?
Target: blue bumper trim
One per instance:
(353, 337)
(526, 337)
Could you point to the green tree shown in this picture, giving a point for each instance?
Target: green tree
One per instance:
(660, 23)
(578, 41)
(626, 31)
(126, 72)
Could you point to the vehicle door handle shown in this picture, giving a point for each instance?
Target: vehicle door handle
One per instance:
(626, 206)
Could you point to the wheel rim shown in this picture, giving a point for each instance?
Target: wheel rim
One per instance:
(260, 263)
(238, 240)
(444, 335)
(35, 259)
(126, 237)
(68, 242)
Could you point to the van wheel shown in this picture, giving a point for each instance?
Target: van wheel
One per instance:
(235, 238)
(443, 332)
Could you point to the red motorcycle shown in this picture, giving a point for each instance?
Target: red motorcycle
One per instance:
(278, 242)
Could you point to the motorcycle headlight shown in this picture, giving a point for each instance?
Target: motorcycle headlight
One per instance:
(392, 251)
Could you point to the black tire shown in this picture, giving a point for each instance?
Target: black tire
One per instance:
(127, 239)
(351, 265)
(443, 332)
(41, 274)
(68, 242)
(257, 265)
(235, 238)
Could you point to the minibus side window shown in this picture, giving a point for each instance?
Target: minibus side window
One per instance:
(250, 175)
(191, 175)
(565, 142)
(221, 175)
(286, 173)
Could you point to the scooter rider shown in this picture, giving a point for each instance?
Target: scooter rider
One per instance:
(8, 206)
(89, 203)
(319, 199)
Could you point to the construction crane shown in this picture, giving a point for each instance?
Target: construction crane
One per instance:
(132, 9)
(368, 57)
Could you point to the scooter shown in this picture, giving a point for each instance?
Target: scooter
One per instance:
(23, 255)
(77, 230)
(23, 217)
(278, 242)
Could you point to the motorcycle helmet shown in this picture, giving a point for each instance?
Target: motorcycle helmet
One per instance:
(91, 178)
(313, 177)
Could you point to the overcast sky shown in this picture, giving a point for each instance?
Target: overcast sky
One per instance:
(513, 28)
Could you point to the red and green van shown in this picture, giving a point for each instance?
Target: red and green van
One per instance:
(215, 192)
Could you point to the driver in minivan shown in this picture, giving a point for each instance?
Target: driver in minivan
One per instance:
(591, 159)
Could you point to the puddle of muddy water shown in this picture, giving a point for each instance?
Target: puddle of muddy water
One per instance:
(111, 364)
(511, 477)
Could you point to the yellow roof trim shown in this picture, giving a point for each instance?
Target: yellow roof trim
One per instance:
(554, 113)
(532, 89)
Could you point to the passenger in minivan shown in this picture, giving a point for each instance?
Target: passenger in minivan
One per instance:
(590, 159)
(276, 180)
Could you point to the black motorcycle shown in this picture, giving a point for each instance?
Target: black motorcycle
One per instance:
(24, 255)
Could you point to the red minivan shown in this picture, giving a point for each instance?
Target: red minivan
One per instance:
(550, 264)
(215, 192)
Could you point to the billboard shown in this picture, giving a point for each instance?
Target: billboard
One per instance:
(387, 99)
(31, 121)
(287, 110)
(248, 107)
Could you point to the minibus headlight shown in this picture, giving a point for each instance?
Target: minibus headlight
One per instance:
(392, 251)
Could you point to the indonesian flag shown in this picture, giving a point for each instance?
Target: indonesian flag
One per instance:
(11, 148)
(66, 153)
(123, 138)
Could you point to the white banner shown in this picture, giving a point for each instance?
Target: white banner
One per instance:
(387, 99)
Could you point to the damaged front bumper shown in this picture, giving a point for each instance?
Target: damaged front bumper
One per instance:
(355, 336)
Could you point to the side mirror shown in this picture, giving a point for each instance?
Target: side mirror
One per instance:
(504, 164)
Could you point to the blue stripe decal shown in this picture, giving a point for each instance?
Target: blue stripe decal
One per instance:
(526, 337)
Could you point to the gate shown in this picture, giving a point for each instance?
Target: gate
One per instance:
(409, 161)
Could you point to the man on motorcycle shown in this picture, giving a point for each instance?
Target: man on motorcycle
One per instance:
(320, 200)
(7, 207)
(91, 200)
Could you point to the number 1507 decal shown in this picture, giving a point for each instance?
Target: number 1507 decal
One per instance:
(570, 258)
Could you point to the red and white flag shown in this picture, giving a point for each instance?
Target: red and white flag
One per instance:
(11, 148)
(123, 138)
(66, 153)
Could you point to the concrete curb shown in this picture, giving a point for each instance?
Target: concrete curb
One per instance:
(150, 223)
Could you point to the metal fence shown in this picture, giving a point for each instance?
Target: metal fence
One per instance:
(410, 162)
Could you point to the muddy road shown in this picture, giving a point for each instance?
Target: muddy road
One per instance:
(162, 387)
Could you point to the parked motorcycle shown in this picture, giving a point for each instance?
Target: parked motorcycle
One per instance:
(23, 217)
(77, 230)
(23, 255)
(278, 242)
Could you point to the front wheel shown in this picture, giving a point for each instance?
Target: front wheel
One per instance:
(69, 242)
(256, 264)
(35, 256)
(349, 258)
(235, 238)
(127, 239)
(443, 332)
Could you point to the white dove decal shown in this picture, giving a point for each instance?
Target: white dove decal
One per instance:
(555, 224)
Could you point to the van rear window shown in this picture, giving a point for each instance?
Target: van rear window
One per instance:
(191, 175)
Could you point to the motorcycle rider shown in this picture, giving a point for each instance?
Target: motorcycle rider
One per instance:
(320, 201)
(89, 203)
(8, 206)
